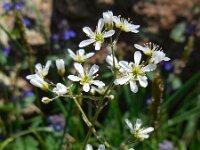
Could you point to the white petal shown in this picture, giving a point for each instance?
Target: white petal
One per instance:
(81, 52)
(86, 42)
(133, 86)
(48, 64)
(98, 83)
(132, 28)
(88, 31)
(74, 78)
(79, 68)
(143, 81)
(71, 53)
(142, 48)
(86, 87)
(100, 25)
(108, 33)
(89, 55)
(101, 147)
(138, 124)
(108, 17)
(116, 20)
(38, 67)
(122, 80)
(150, 67)
(60, 64)
(109, 60)
(166, 59)
(93, 70)
(97, 45)
(137, 57)
(88, 147)
(36, 83)
(129, 124)
(124, 64)
(29, 77)
(144, 136)
(147, 130)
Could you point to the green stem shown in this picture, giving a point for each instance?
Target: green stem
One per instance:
(12, 138)
(86, 120)
(100, 103)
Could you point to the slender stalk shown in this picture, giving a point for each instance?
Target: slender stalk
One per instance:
(86, 120)
(100, 103)
(82, 112)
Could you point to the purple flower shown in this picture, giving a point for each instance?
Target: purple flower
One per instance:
(6, 51)
(168, 66)
(26, 21)
(69, 34)
(19, 5)
(148, 101)
(57, 122)
(166, 145)
(7, 6)
(55, 37)
(28, 93)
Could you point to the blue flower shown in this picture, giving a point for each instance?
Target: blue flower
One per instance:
(69, 34)
(28, 93)
(168, 66)
(55, 37)
(6, 51)
(26, 21)
(166, 145)
(19, 5)
(57, 122)
(7, 6)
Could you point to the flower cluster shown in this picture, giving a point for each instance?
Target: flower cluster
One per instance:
(133, 73)
(38, 79)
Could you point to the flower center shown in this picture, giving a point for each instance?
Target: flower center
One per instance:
(136, 71)
(137, 135)
(149, 53)
(85, 79)
(99, 37)
(79, 59)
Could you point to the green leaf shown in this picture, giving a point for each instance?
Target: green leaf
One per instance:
(177, 32)
(183, 90)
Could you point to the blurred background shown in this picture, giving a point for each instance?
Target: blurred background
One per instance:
(39, 30)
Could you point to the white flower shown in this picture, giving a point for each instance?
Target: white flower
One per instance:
(80, 55)
(132, 72)
(38, 81)
(86, 78)
(60, 64)
(89, 147)
(109, 60)
(108, 19)
(154, 51)
(158, 56)
(137, 131)
(124, 25)
(96, 37)
(42, 70)
(60, 89)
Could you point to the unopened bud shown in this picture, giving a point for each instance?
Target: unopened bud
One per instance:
(46, 100)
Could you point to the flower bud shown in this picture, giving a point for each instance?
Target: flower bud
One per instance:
(60, 66)
(46, 100)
